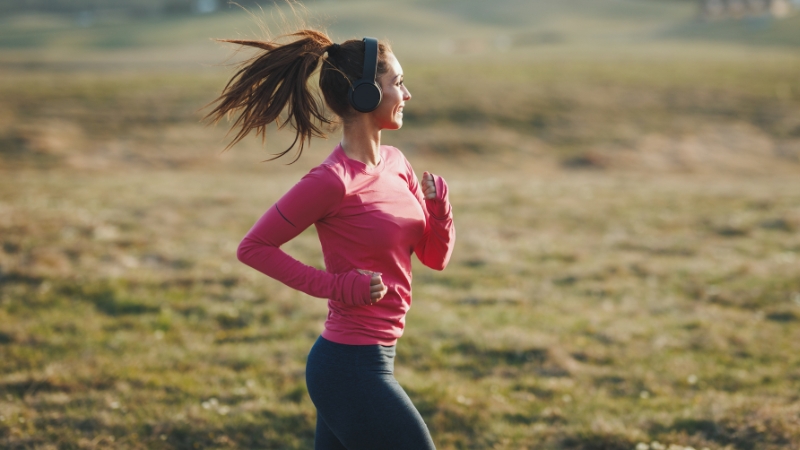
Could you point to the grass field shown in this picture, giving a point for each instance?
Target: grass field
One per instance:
(626, 195)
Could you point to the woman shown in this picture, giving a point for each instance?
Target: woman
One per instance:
(371, 214)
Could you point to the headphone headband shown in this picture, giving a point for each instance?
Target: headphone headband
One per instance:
(370, 59)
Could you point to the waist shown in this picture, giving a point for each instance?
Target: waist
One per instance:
(333, 354)
(378, 324)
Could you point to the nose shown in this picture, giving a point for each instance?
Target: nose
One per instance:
(406, 94)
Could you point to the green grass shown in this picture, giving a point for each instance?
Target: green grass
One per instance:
(557, 324)
(626, 269)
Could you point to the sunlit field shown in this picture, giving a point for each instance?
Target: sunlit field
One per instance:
(626, 189)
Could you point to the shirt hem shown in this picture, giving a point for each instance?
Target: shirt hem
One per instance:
(350, 339)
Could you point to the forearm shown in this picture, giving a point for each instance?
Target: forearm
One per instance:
(275, 263)
(349, 287)
(436, 246)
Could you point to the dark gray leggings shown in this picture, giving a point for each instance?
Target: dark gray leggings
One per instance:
(360, 405)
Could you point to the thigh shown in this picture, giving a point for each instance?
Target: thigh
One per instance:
(392, 418)
(375, 413)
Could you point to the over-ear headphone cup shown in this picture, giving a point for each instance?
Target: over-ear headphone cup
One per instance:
(365, 96)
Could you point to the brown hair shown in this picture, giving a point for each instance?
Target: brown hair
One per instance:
(276, 80)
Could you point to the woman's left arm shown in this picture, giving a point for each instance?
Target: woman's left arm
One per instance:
(436, 245)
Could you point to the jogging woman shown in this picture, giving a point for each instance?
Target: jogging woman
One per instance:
(371, 214)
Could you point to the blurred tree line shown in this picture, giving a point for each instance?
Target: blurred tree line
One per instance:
(132, 7)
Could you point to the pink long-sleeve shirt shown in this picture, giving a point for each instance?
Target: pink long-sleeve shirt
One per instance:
(371, 219)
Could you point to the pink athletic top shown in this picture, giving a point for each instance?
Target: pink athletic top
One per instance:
(367, 218)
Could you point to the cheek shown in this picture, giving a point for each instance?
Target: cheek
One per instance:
(387, 106)
(391, 97)
(384, 115)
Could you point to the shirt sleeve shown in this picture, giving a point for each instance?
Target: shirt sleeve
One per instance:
(436, 246)
(314, 197)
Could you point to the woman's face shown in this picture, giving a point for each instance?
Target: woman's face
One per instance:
(389, 114)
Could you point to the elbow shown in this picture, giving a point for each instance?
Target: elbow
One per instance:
(243, 251)
(435, 261)
(438, 265)
(253, 252)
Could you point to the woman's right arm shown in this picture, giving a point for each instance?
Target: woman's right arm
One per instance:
(313, 198)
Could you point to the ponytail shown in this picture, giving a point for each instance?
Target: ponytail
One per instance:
(272, 81)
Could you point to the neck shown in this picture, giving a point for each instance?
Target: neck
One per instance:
(361, 140)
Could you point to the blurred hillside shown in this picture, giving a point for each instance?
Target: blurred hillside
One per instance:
(630, 84)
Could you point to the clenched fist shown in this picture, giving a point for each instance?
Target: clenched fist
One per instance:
(376, 287)
(428, 186)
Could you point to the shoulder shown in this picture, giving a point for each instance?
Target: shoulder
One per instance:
(327, 174)
(392, 153)
(313, 197)
(324, 178)
(334, 168)
(395, 157)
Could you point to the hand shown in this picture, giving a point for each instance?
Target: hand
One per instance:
(434, 190)
(428, 186)
(376, 287)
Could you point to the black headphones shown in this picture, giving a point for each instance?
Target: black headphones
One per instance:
(365, 94)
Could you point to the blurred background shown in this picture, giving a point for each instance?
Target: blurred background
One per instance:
(624, 175)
